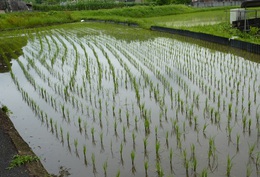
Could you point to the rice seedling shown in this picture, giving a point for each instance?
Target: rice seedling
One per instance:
(251, 150)
(118, 173)
(167, 139)
(105, 168)
(121, 152)
(136, 119)
(124, 129)
(159, 169)
(85, 154)
(101, 141)
(79, 123)
(133, 137)
(156, 133)
(237, 142)
(157, 149)
(61, 134)
(93, 158)
(229, 166)
(249, 126)
(146, 166)
(92, 134)
(248, 171)
(204, 173)
(133, 163)
(51, 122)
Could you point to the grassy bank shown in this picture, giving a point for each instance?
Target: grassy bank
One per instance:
(208, 20)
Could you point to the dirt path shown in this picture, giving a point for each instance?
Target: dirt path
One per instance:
(11, 144)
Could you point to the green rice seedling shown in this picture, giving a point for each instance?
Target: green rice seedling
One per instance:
(115, 127)
(93, 115)
(159, 170)
(85, 127)
(229, 166)
(244, 123)
(127, 118)
(204, 173)
(121, 151)
(165, 114)
(249, 125)
(118, 173)
(187, 164)
(251, 150)
(92, 134)
(100, 104)
(230, 110)
(120, 114)
(257, 161)
(136, 119)
(124, 129)
(184, 126)
(167, 139)
(147, 126)
(79, 122)
(229, 128)
(171, 156)
(195, 164)
(56, 128)
(195, 123)
(61, 134)
(157, 149)
(249, 107)
(100, 120)
(63, 111)
(257, 118)
(133, 164)
(76, 144)
(101, 141)
(146, 166)
(238, 141)
(192, 148)
(93, 158)
(85, 155)
(156, 133)
(145, 146)
(133, 137)
(105, 168)
(248, 171)
(51, 122)
(204, 128)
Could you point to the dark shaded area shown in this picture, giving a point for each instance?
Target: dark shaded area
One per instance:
(13, 5)
(10, 48)
(245, 25)
(254, 3)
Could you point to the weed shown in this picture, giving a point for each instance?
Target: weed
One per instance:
(19, 160)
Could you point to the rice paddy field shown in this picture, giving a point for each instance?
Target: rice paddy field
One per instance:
(107, 100)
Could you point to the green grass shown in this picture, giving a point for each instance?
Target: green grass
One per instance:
(19, 160)
(206, 20)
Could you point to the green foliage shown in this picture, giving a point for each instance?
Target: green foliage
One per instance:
(5, 109)
(19, 160)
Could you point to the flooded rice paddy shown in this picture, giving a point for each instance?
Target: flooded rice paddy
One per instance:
(105, 100)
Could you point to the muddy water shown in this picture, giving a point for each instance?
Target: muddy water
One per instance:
(86, 95)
